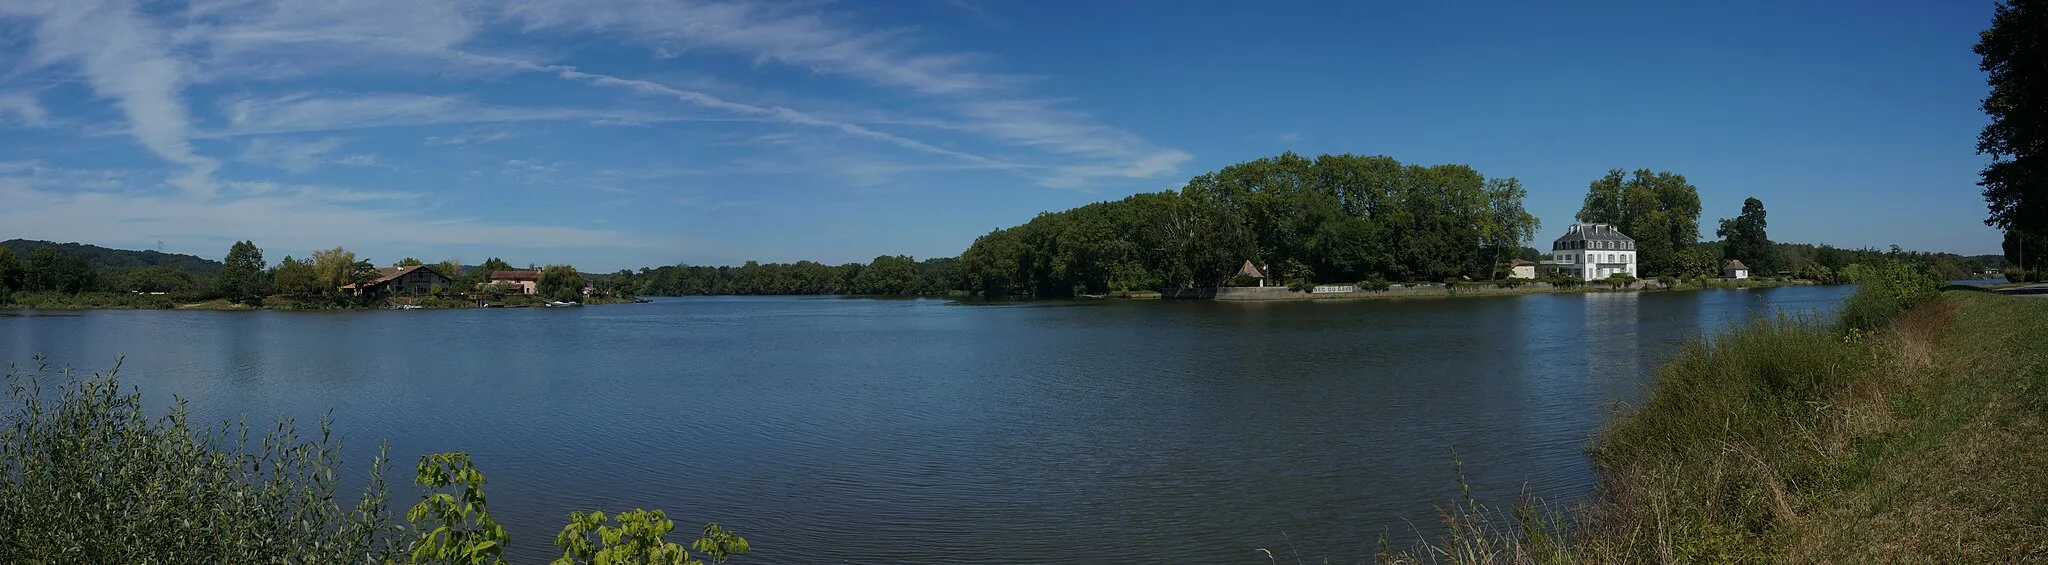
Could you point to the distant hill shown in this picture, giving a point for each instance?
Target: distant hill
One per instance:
(101, 257)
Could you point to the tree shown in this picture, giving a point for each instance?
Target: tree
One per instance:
(10, 271)
(560, 282)
(1745, 239)
(10, 274)
(1661, 210)
(49, 271)
(1694, 263)
(2014, 53)
(334, 268)
(886, 275)
(148, 279)
(295, 277)
(451, 268)
(241, 274)
(2019, 245)
(410, 262)
(1508, 223)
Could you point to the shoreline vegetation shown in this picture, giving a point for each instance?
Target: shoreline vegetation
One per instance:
(1905, 428)
(1905, 425)
(1364, 221)
(168, 490)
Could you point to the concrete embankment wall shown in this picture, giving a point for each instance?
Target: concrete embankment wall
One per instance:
(1256, 294)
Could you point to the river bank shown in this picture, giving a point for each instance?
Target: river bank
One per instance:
(138, 301)
(1902, 432)
(1449, 290)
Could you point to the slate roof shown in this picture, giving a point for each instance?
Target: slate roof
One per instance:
(1594, 232)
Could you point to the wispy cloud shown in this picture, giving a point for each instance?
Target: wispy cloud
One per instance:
(470, 137)
(126, 59)
(980, 103)
(792, 34)
(287, 216)
(24, 108)
(308, 112)
(300, 156)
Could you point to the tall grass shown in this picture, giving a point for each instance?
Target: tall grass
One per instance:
(1741, 438)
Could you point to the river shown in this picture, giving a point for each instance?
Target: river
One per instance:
(834, 430)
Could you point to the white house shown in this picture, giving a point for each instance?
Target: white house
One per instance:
(1734, 270)
(1592, 252)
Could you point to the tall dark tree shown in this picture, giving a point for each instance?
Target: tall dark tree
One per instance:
(10, 274)
(1661, 210)
(241, 274)
(2025, 249)
(1744, 238)
(2015, 56)
(50, 271)
(10, 271)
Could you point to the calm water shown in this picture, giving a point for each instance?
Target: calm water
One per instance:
(923, 431)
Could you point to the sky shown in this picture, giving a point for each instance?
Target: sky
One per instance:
(627, 133)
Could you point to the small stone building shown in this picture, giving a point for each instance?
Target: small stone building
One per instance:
(1734, 270)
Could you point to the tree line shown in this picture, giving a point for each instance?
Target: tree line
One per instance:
(1328, 218)
(1301, 220)
(888, 275)
(245, 277)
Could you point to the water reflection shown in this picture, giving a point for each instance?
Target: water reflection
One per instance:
(925, 432)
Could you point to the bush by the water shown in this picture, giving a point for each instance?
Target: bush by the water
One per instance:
(1887, 289)
(87, 476)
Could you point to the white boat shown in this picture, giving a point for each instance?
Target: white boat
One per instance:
(560, 304)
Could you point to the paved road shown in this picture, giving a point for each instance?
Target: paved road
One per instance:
(2029, 290)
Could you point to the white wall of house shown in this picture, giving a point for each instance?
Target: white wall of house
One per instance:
(1597, 256)
(1595, 264)
(1524, 272)
(1735, 273)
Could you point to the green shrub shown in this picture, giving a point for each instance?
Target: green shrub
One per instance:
(86, 476)
(89, 477)
(1374, 283)
(1887, 290)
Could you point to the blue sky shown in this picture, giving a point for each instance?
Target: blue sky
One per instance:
(627, 133)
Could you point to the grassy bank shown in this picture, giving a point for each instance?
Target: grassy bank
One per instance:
(1907, 430)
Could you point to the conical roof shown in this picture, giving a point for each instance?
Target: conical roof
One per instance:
(1250, 270)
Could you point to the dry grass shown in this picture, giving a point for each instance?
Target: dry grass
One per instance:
(1795, 440)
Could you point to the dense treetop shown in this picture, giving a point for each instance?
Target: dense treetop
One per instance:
(2014, 55)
